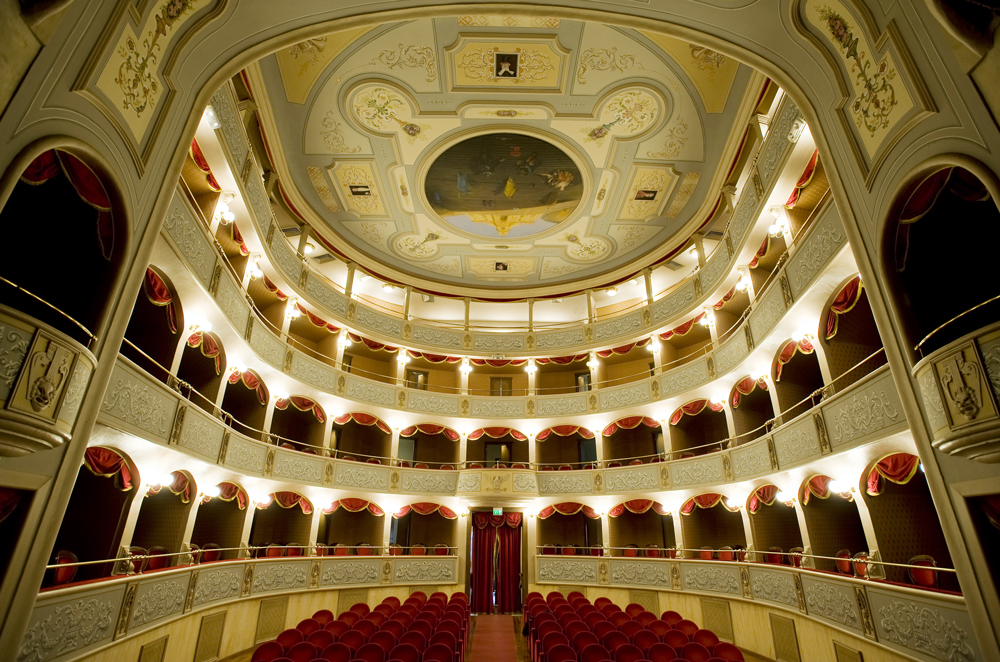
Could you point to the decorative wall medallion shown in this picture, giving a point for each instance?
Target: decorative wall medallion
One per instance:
(967, 394)
(495, 482)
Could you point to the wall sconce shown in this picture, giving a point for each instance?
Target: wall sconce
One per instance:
(211, 118)
(465, 368)
(708, 317)
(402, 358)
(388, 287)
(344, 342)
(223, 214)
(292, 311)
(280, 395)
(744, 282)
(255, 270)
(592, 363)
(611, 291)
(211, 492)
(531, 368)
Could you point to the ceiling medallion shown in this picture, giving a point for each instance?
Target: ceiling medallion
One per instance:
(504, 185)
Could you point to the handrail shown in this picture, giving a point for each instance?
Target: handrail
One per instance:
(919, 345)
(91, 338)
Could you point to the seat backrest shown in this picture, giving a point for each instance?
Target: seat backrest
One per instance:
(661, 652)
(644, 639)
(675, 639)
(289, 638)
(687, 627)
(604, 627)
(552, 639)
(385, 639)
(267, 652)
(695, 652)
(349, 617)
(595, 653)
(672, 618)
(645, 618)
(64, 575)
(366, 627)
(439, 653)
(423, 627)
(658, 627)
(360, 608)
(575, 627)
(323, 616)
(337, 628)
(728, 652)
(448, 639)
(307, 626)
(404, 653)
(628, 653)
(614, 639)
(924, 575)
(630, 628)
(302, 652)
(618, 618)
(594, 617)
(336, 652)
(706, 638)
(370, 653)
(581, 640)
(321, 638)
(559, 653)
(415, 638)
(843, 562)
(353, 639)
(376, 617)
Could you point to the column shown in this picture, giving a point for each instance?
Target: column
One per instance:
(468, 304)
(656, 347)
(386, 531)
(128, 530)
(406, 302)
(268, 417)
(402, 358)
(464, 379)
(699, 245)
(328, 436)
(317, 515)
(590, 306)
(531, 535)
(532, 373)
(463, 447)
(394, 445)
(678, 531)
(800, 516)
(189, 530)
(647, 277)
(342, 341)
(304, 240)
(729, 197)
(599, 447)
(175, 363)
(349, 283)
(748, 530)
(773, 394)
(605, 533)
(730, 423)
(531, 448)
(531, 314)
(875, 571)
(248, 523)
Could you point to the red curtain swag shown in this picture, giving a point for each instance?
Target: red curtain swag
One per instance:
(483, 519)
(804, 179)
(499, 363)
(159, 294)
(288, 500)
(629, 423)
(238, 240)
(726, 297)
(181, 487)
(107, 462)
(302, 404)
(274, 289)
(371, 344)
(430, 429)
(425, 508)
(316, 320)
(638, 507)
(787, 353)
(683, 329)
(433, 358)
(564, 431)
(846, 299)
(991, 508)
(563, 360)
(199, 160)
(745, 387)
(693, 408)
(252, 382)
(209, 347)
(363, 419)
(497, 433)
(762, 496)
(761, 252)
(624, 349)
(87, 185)
(229, 491)
(709, 500)
(10, 498)
(568, 508)
(819, 486)
(355, 506)
(496, 562)
(898, 468)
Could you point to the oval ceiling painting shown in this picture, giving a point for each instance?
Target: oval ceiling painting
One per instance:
(503, 185)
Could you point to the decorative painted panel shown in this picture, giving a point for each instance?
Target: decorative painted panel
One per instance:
(751, 460)
(559, 339)
(431, 481)
(796, 443)
(437, 337)
(272, 576)
(710, 578)
(767, 311)
(364, 476)
(188, 234)
(370, 319)
(731, 353)
(776, 587)
(314, 372)
(232, 302)
(642, 573)
(703, 470)
(565, 405)
(831, 601)
(350, 571)
(504, 407)
(432, 403)
(630, 479)
(137, 404)
(266, 345)
(617, 327)
(157, 600)
(498, 342)
(624, 396)
(297, 466)
(214, 584)
(866, 410)
(201, 434)
(684, 378)
(425, 570)
(66, 626)
(928, 626)
(676, 303)
(565, 570)
(824, 241)
(565, 482)
(368, 391)
(245, 455)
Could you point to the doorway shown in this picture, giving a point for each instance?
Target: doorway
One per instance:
(496, 563)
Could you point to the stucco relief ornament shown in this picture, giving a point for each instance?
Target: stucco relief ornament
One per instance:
(47, 373)
(673, 142)
(962, 387)
(309, 50)
(419, 247)
(878, 98)
(410, 56)
(585, 249)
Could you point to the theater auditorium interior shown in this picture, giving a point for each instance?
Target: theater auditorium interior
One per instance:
(565, 331)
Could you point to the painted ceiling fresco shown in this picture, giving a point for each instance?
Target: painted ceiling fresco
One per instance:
(503, 151)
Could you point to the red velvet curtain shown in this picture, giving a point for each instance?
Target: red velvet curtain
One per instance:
(898, 467)
(761, 252)
(624, 349)
(629, 423)
(433, 358)
(562, 360)
(745, 387)
(638, 506)
(355, 506)
(497, 433)
(209, 348)
(8, 502)
(199, 160)
(788, 352)
(568, 508)
(819, 486)
(229, 491)
(991, 508)
(804, 179)
(693, 408)
(238, 239)
(274, 289)
(726, 297)
(496, 561)
(302, 404)
(564, 431)
(290, 500)
(252, 382)
(316, 320)
(371, 344)
(484, 542)
(363, 419)
(499, 363)
(683, 329)
(762, 495)
(107, 463)
(430, 429)
(425, 508)
(159, 294)
(846, 299)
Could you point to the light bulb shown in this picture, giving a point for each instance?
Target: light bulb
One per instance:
(201, 325)
(255, 272)
(798, 336)
(165, 480)
(403, 357)
(280, 395)
(212, 492)
(211, 118)
(839, 486)
(388, 287)
(759, 375)
(611, 291)
(784, 497)
(309, 248)
(344, 341)
(228, 217)
(262, 498)
(774, 230)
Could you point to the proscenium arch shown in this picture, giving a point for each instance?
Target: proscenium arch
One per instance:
(222, 67)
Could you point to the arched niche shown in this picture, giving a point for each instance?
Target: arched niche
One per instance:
(362, 437)
(86, 235)
(203, 366)
(245, 403)
(797, 376)
(773, 523)
(752, 409)
(98, 507)
(684, 343)
(220, 520)
(765, 262)
(300, 424)
(492, 445)
(832, 521)
(269, 301)
(313, 335)
(643, 525)
(370, 359)
(163, 515)
(155, 325)
(569, 527)
(435, 446)
(631, 438)
(708, 521)
(904, 518)
(563, 446)
(728, 311)
(915, 260)
(623, 365)
(285, 519)
(562, 375)
(351, 523)
(424, 524)
(696, 428)
(851, 341)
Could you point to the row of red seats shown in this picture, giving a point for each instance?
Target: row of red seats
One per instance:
(421, 629)
(574, 630)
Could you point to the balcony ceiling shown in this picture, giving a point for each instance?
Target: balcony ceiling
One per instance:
(502, 154)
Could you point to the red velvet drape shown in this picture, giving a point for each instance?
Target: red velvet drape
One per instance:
(562, 360)
(496, 561)
(497, 433)
(499, 363)
(8, 502)
(804, 179)
(484, 540)
(788, 352)
(274, 289)
(624, 349)
(317, 320)
(846, 299)
(761, 252)
(229, 491)
(725, 298)
(898, 467)
(371, 344)
(159, 294)
(564, 431)
(199, 160)
(683, 329)
(433, 358)
(107, 462)
(693, 408)
(430, 429)
(762, 495)
(745, 387)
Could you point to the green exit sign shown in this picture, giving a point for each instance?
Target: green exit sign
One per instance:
(498, 511)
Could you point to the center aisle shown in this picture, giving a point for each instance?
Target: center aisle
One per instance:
(493, 640)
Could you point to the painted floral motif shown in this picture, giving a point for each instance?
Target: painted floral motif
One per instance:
(410, 56)
(602, 59)
(419, 247)
(333, 138)
(705, 59)
(674, 142)
(309, 50)
(586, 249)
(378, 106)
(877, 99)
